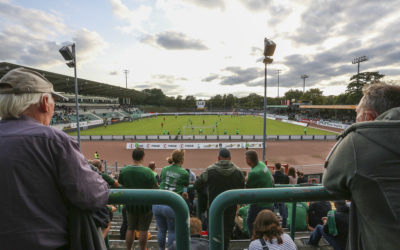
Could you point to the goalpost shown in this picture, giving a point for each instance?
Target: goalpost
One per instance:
(195, 130)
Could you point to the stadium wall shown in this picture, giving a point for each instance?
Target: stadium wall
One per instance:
(205, 137)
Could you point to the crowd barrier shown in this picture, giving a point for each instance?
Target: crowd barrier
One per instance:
(207, 137)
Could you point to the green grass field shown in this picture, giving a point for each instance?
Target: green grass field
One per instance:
(247, 125)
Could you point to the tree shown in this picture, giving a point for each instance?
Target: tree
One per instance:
(313, 95)
(293, 94)
(357, 82)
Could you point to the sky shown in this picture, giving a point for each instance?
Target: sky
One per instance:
(206, 47)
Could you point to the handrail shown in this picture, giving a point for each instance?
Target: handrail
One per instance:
(162, 197)
(240, 196)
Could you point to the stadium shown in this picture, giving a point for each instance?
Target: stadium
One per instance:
(112, 129)
(183, 125)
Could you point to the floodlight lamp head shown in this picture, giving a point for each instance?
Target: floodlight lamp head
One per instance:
(66, 53)
(269, 47)
(70, 64)
(268, 60)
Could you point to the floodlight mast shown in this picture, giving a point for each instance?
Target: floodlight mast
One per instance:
(357, 61)
(269, 49)
(304, 77)
(70, 57)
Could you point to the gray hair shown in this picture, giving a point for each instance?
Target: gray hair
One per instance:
(13, 105)
(381, 97)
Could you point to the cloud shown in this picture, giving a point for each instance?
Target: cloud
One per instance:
(30, 36)
(255, 51)
(134, 18)
(167, 88)
(210, 78)
(256, 5)
(240, 75)
(40, 23)
(113, 73)
(168, 78)
(173, 40)
(208, 3)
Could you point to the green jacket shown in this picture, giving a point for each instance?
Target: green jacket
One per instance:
(365, 164)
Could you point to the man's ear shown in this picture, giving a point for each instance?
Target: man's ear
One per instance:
(44, 104)
(371, 115)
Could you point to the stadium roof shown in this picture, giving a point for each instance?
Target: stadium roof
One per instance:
(328, 106)
(64, 83)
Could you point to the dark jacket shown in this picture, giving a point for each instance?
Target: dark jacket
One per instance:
(280, 178)
(342, 225)
(220, 177)
(365, 164)
(196, 243)
(316, 211)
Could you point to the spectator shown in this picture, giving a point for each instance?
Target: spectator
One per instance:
(196, 241)
(335, 228)
(259, 177)
(139, 217)
(281, 178)
(316, 211)
(190, 191)
(173, 178)
(152, 166)
(220, 177)
(243, 212)
(364, 165)
(110, 181)
(301, 215)
(301, 178)
(44, 175)
(268, 234)
(292, 176)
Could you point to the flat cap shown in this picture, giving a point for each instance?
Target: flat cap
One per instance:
(25, 81)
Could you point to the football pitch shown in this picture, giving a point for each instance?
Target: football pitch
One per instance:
(194, 125)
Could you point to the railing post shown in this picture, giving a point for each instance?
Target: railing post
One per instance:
(162, 197)
(293, 221)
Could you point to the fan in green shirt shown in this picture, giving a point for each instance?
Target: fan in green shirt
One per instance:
(301, 215)
(260, 177)
(137, 176)
(242, 212)
(174, 178)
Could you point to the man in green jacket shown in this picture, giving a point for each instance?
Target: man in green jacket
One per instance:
(365, 165)
(259, 177)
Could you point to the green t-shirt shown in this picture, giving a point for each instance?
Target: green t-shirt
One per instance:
(137, 177)
(260, 177)
(174, 178)
(243, 211)
(301, 214)
(110, 181)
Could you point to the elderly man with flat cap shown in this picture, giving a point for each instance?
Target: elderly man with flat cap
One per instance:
(218, 178)
(43, 172)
